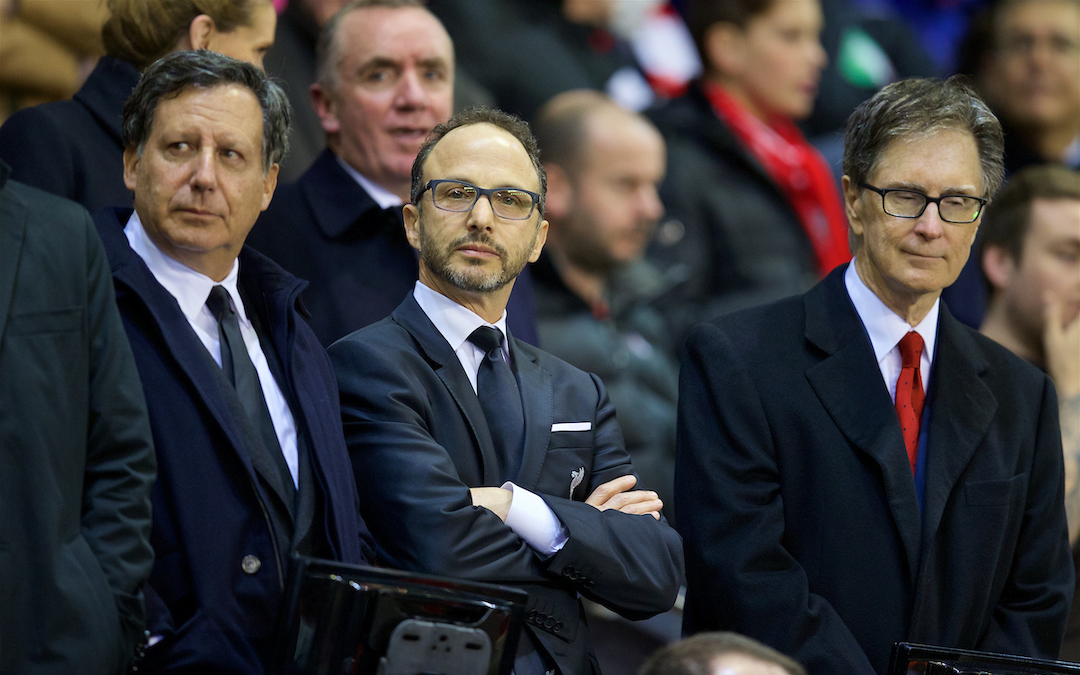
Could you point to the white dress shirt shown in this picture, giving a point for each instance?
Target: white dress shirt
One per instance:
(530, 517)
(383, 197)
(191, 289)
(886, 328)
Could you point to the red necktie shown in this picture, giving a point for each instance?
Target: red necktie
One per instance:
(909, 393)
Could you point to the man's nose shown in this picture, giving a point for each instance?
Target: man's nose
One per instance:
(481, 215)
(204, 169)
(411, 92)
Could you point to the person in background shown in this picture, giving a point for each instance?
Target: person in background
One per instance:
(1031, 263)
(385, 79)
(243, 405)
(76, 453)
(595, 294)
(720, 654)
(1027, 66)
(855, 467)
(73, 148)
(755, 211)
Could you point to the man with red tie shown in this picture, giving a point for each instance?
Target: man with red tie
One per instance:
(855, 467)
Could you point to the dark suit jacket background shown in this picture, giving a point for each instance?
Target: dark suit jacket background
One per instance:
(326, 229)
(73, 148)
(798, 508)
(76, 456)
(419, 441)
(208, 500)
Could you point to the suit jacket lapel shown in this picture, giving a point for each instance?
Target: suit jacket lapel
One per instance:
(538, 401)
(12, 232)
(176, 333)
(336, 200)
(848, 384)
(962, 408)
(446, 365)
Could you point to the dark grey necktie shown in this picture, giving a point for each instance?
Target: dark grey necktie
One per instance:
(241, 372)
(500, 400)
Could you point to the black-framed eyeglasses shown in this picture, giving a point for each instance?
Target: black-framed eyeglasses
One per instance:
(459, 197)
(911, 204)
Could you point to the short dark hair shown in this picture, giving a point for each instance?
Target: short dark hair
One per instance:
(916, 108)
(1006, 221)
(513, 125)
(328, 48)
(704, 14)
(175, 73)
(694, 655)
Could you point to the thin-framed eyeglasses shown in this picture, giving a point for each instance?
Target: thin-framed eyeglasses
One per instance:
(911, 204)
(458, 196)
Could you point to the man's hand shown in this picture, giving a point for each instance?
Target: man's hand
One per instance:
(496, 500)
(1062, 346)
(616, 494)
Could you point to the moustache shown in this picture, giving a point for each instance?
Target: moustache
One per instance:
(478, 238)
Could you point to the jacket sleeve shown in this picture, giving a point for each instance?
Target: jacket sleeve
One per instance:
(120, 462)
(1031, 613)
(730, 512)
(633, 565)
(422, 516)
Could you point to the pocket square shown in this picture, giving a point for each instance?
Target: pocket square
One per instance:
(571, 426)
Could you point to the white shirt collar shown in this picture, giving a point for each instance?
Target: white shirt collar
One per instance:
(884, 326)
(453, 321)
(190, 288)
(383, 197)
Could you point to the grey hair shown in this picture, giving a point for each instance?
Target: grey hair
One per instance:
(917, 108)
(513, 125)
(175, 73)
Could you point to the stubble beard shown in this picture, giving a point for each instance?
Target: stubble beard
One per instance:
(470, 278)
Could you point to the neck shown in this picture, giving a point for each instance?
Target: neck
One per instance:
(488, 306)
(910, 306)
(1001, 330)
(736, 91)
(587, 284)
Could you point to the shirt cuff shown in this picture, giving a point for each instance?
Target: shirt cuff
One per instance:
(533, 520)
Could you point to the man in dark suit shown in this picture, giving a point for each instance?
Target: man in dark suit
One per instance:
(76, 455)
(498, 462)
(252, 461)
(855, 467)
(385, 79)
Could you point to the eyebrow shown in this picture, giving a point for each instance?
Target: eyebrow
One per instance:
(918, 187)
(497, 187)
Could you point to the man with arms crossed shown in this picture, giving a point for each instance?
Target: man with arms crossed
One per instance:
(477, 455)
(855, 467)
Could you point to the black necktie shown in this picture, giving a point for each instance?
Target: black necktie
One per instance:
(500, 400)
(238, 368)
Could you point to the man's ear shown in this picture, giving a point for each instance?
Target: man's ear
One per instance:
(322, 100)
(851, 200)
(269, 185)
(131, 165)
(725, 52)
(411, 215)
(541, 239)
(200, 31)
(559, 191)
(998, 265)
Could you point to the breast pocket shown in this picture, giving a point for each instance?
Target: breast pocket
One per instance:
(568, 465)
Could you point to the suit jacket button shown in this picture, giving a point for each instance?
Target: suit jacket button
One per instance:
(557, 627)
(568, 572)
(531, 615)
(549, 621)
(250, 564)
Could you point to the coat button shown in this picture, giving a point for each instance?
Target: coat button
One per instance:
(531, 615)
(250, 564)
(568, 572)
(549, 622)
